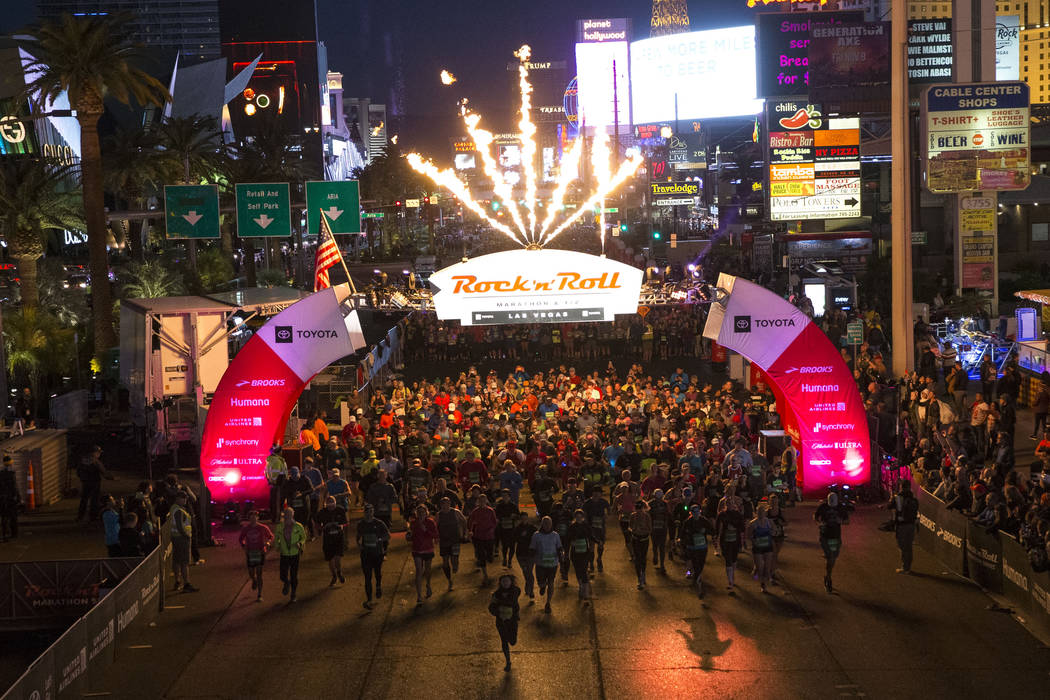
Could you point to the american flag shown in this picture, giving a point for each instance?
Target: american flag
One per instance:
(327, 256)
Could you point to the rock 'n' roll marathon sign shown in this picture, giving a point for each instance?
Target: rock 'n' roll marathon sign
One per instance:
(816, 395)
(535, 286)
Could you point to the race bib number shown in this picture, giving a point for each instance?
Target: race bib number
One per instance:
(297, 502)
(473, 477)
(834, 545)
(730, 534)
(255, 557)
(506, 523)
(598, 522)
(370, 540)
(332, 529)
(579, 546)
(506, 612)
(549, 561)
(562, 529)
(762, 541)
(455, 549)
(699, 541)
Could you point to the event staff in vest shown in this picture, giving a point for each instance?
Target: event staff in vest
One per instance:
(181, 523)
(276, 473)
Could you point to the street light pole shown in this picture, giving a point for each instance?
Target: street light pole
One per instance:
(900, 219)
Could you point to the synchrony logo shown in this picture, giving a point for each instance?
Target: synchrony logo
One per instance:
(236, 442)
(817, 427)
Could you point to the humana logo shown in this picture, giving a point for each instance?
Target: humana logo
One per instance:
(1015, 576)
(818, 388)
(248, 403)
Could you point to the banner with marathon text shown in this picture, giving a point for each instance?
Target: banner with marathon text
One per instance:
(984, 558)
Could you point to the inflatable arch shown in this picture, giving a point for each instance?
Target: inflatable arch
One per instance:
(256, 395)
(816, 394)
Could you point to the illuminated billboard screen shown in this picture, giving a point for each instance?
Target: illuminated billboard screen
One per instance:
(711, 73)
(465, 161)
(603, 100)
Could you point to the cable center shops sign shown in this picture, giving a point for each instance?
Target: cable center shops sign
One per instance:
(814, 163)
(670, 193)
(976, 137)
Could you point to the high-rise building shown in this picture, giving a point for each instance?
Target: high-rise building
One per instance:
(1035, 37)
(368, 125)
(190, 27)
(669, 17)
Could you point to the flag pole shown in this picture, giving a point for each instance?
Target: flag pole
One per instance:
(328, 228)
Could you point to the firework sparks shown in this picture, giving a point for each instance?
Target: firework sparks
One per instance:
(526, 229)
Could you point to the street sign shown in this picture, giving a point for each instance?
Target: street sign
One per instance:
(611, 210)
(373, 215)
(263, 209)
(675, 201)
(855, 333)
(191, 211)
(977, 137)
(341, 202)
(412, 204)
(918, 238)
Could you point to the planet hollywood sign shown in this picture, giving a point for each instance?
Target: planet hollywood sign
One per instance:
(545, 286)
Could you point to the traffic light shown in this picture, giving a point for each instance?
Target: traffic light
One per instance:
(495, 205)
(623, 228)
(397, 203)
(426, 200)
(657, 235)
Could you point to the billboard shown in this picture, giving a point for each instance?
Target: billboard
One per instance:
(1007, 47)
(603, 72)
(535, 286)
(929, 51)
(814, 163)
(976, 137)
(674, 193)
(698, 75)
(849, 54)
(782, 57)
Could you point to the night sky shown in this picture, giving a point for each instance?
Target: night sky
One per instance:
(393, 50)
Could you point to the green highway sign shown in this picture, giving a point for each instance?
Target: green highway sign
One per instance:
(614, 210)
(263, 209)
(855, 333)
(373, 215)
(191, 211)
(340, 200)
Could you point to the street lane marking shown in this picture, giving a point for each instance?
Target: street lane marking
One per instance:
(141, 646)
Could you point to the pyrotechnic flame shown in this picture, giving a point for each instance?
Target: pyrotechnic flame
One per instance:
(376, 129)
(528, 138)
(532, 233)
(393, 139)
(447, 178)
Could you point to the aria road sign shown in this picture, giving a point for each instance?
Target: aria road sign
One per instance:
(191, 211)
(340, 201)
(263, 209)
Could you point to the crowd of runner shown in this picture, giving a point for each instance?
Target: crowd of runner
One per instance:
(539, 472)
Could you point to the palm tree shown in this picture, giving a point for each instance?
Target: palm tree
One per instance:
(149, 280)
(34, 198)
(90, 58)
(133, 170)
(36, 346)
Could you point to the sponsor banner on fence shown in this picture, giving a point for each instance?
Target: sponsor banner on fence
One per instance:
(950, 546)
(1017, 586)
(926, 525)
(984, 558)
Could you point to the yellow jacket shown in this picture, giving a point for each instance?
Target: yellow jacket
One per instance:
(289, 547)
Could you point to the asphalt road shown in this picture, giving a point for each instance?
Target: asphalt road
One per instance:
(880, 635)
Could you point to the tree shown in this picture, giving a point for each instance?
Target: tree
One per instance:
(133, 170)
(34, 198)
(90, 58)
(149, 280)
(37, 346)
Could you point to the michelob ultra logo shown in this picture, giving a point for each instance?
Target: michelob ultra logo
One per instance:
(691, 189)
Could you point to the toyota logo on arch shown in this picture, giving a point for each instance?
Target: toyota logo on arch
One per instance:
(743, 324)
(283, 334)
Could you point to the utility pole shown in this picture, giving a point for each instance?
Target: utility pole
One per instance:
(900, 220)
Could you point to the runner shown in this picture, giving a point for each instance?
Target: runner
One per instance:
(296, 494)
(452, 529)
(581, 551)
(337, 487)
(481, 525)
(422, 532)
(694, 535)
(523, 533)
(415, 478)
(640, 526)
(562, 517)
(289, 541)
(255, 539)
(829, 517)
(382, 496)
(543, 490)
(625, 496)
(507, 515)
(546, 551)
(760, 532)
(776, 516)
(331, 520)
(658, 513)
(372, 540)
(730, 527)
(504, 607)
(596, 508)
(510, 479)
(314, 477)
